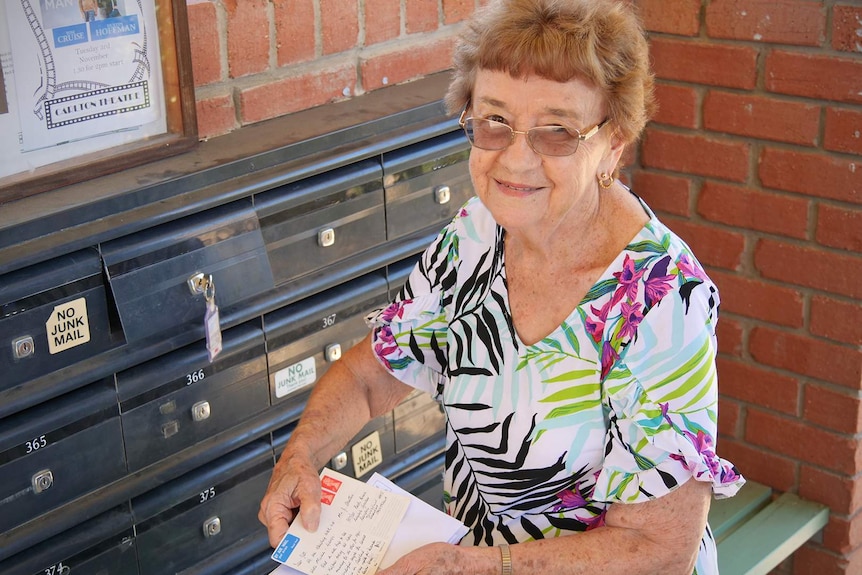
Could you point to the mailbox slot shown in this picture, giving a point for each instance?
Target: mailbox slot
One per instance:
(102, 545)
(52, 315)
(301, 336)
(191, 518)
(149, 271)
(426, 184)
(313, 223)
(177, 400)
(59, 450)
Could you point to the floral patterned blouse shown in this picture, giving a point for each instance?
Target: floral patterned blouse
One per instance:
(618, 404)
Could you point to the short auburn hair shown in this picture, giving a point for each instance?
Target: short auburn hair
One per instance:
(601, 41)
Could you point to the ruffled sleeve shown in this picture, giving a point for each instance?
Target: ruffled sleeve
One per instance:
(661, 398)
(409, 335)
(409, 340)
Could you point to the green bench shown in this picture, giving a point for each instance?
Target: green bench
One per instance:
(755, 533)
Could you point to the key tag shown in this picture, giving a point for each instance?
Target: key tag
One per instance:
(211, 321)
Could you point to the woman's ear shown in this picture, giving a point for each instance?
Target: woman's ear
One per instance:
(610, 163)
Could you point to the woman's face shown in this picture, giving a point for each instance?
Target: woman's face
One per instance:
(526, 191)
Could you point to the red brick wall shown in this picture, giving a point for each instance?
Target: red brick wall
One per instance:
(754, 157)
(258, 59)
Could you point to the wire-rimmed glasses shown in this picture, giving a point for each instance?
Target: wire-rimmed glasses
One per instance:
(545, 140)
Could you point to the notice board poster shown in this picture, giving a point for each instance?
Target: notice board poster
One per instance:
(79, 76)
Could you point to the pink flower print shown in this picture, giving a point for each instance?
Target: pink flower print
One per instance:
(689, 268)
(628, 279)
(385, 346)
(393, 310)
(596, 521)
(569, 499)
(658, 283)
(632, 317)
(609, 356)
(596, 327)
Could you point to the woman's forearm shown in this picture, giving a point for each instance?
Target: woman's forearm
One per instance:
(354, 390)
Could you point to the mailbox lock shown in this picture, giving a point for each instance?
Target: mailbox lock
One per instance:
(201, 283)
(339, 462)
(42, 481)
(326, 237)
(201, 411)
(332, 352)
(442, 194)
(212, 527)
(23, 347)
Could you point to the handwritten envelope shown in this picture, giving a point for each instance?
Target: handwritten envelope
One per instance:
(357, 523)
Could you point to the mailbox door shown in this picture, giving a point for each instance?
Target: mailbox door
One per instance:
(149, 272)
(52, 315)
(193, 517)
(426, 183)
(373, 446)
(104, 545)
(318, 221)
(177, 400)
(425, 481)
(305, 337)
(417, 418)
(59, 450)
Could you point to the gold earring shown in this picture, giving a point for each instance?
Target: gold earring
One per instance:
(605, 180)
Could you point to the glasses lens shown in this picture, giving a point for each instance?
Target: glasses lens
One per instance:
(487, 134)
(553, 140)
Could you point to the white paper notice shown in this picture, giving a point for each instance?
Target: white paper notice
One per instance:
(357, 522)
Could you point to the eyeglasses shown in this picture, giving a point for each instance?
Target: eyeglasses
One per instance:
(544, 140)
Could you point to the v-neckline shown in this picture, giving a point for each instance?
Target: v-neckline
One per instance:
(613, 266)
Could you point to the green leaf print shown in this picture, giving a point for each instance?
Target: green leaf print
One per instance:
(570, 376)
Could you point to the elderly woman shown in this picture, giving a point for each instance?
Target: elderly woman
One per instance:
(569, 334)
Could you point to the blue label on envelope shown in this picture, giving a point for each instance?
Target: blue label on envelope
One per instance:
(285, 548)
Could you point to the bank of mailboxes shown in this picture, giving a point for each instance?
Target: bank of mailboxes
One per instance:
(52, 315)
(103, 545)
(177, 400)
(425, 184)
(59, 450)
(303, 339)
(319, 221)
(417, 418)
(425, 481)
(161, 277)
(398, 272)
(195, 516)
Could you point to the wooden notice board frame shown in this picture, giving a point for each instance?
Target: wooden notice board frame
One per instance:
(176, 90)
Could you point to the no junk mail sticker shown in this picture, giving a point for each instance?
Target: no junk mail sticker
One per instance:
(68, 326)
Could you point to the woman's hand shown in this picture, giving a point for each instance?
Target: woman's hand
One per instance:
(295, 485)
(447, 559)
